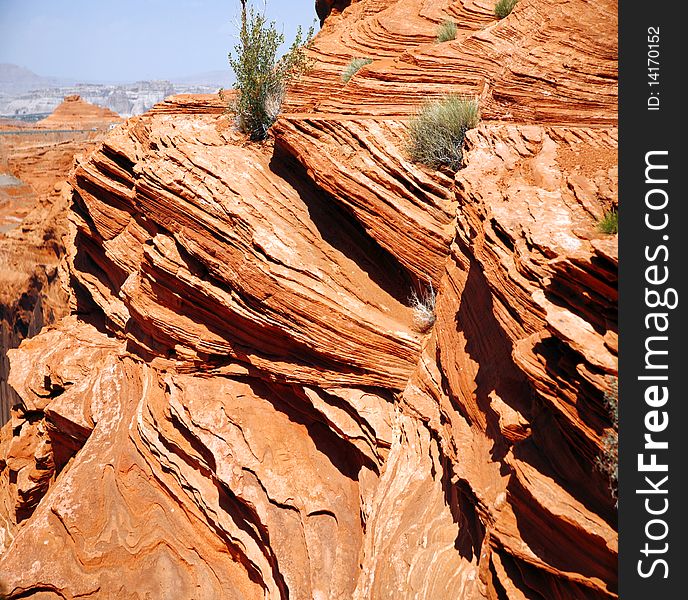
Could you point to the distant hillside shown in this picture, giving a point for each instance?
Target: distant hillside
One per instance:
(27, 96)
(19, 80)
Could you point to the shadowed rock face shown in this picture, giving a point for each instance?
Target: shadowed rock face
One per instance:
(239, 405)
(324, 8)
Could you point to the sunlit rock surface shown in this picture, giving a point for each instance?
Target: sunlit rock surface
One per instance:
(240, 406)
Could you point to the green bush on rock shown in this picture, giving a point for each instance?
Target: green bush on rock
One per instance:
(446, 32)
(504, 7)
(261, 78)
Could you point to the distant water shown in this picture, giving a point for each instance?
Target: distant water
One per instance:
(26, 118)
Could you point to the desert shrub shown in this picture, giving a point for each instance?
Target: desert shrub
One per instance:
(261, 78)
(504, 7)
(609, 222)
(353, 67)
(436, 133)
(608, 461)
(446, 31)
(423, 305)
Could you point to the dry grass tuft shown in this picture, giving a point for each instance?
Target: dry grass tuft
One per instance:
(437, 132)
(504, 7)
(353, 67)
(446, 32)
(423, 305)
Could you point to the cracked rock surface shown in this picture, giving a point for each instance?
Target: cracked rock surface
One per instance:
(239, 405)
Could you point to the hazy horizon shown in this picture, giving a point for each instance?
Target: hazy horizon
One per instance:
(131, 40)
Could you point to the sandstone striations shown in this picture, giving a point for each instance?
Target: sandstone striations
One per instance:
(75, 113)
(34, 201)
(239, 405)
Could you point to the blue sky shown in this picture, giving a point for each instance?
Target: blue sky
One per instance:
(129, 40)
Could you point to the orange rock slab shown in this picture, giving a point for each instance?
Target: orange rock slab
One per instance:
(75, 113)
(167, 456)
(239, 405)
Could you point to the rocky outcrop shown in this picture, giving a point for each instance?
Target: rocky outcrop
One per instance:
(524, 342)
(240, 405)
(33, 221)
(31, 293)
(548, 62)
(75, 113)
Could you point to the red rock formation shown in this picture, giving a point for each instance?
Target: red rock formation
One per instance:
(239, 406)
(33, 221)
(75, 113)
(548, 62)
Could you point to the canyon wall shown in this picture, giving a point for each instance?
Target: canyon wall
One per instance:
(34, 202)
(240, 405)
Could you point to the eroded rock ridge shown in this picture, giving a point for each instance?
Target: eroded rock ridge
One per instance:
(239, 405)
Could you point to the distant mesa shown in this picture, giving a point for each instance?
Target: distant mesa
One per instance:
(76, 113)
(28, 97)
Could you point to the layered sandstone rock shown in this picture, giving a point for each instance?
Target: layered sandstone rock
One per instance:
(33, 220)
(240, 406)
(548, 62)
(75, 113)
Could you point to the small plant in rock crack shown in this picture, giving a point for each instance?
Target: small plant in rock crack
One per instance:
(446, 32)
(437, 132)
(353, 67)
(423, 306)
(608, 461)
(609, 223)
(504, 7)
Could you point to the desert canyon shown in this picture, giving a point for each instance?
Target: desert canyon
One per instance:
(210, 376)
